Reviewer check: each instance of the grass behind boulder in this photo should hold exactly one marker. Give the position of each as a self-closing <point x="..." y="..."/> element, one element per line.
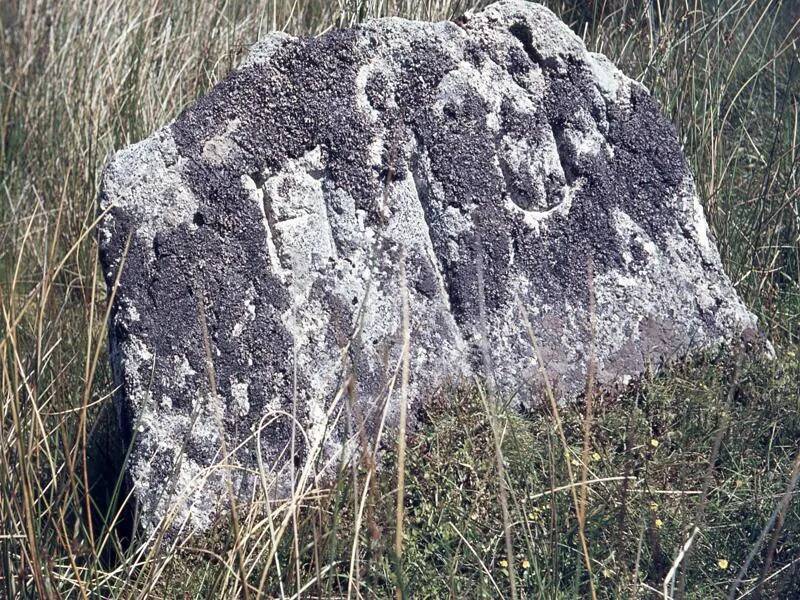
<point x="685" y="486"/>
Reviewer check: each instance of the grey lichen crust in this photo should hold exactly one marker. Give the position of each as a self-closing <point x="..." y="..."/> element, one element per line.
<point x="257" y="242"/>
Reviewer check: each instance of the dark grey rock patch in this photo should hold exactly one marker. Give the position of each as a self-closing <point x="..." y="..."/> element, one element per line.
<point x="265" y="226"/>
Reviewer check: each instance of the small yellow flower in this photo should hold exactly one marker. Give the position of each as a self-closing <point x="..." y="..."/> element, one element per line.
<point x="607" y="572"/>
<point x="504" y="563"/>
<point x="575" y="462"/>
<point x="595" y="457"/>
<point x="654" y="506"/>
<point x="659" y="523"/>
<point x="654" y="443"/>
<point x="722" y="563"/>
<point x="525" y="564"/>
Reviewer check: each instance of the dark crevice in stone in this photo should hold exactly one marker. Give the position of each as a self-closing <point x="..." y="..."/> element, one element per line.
<point x="258" y="179"/>
<point x="522" y="32"/>
<point x="422" y="188"/>
<point x="273" y="233"/>
<point x="511" y="189"/>
<point x="564" y="155"/>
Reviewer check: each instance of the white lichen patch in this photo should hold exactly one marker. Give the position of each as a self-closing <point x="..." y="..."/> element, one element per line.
<point x="219" y="148"/>
<point x="630" y="233"/>
<point x="145" y="181"/>
<point x="302" y="234"/>
<point x="249" y="312"/>
<point x="241" y="398"/>
<point x="262" y="51"/>
<point x="537" y="220"/>
<point x="181" y="370"/>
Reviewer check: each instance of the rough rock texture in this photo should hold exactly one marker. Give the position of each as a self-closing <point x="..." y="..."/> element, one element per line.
<point x="261" y="234"/>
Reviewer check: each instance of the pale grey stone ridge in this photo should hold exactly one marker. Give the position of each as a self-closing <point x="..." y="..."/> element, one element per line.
<point x="260" y="237"/>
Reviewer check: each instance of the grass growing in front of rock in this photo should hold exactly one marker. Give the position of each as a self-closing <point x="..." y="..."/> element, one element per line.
<point x="702" y="446"/>
<point x="650" y="483"/>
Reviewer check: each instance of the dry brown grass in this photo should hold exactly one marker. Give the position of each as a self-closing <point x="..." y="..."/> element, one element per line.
<point x="80" y="79"/>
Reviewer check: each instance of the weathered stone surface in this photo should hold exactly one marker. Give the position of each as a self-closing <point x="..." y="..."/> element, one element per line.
<point x="261" y="233"/>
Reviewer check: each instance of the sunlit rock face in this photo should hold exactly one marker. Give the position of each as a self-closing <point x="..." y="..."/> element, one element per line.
<point x="258" y="239"/>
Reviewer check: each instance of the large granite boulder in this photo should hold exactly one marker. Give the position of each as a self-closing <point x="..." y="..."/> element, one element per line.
<point x="257" y="242"/>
